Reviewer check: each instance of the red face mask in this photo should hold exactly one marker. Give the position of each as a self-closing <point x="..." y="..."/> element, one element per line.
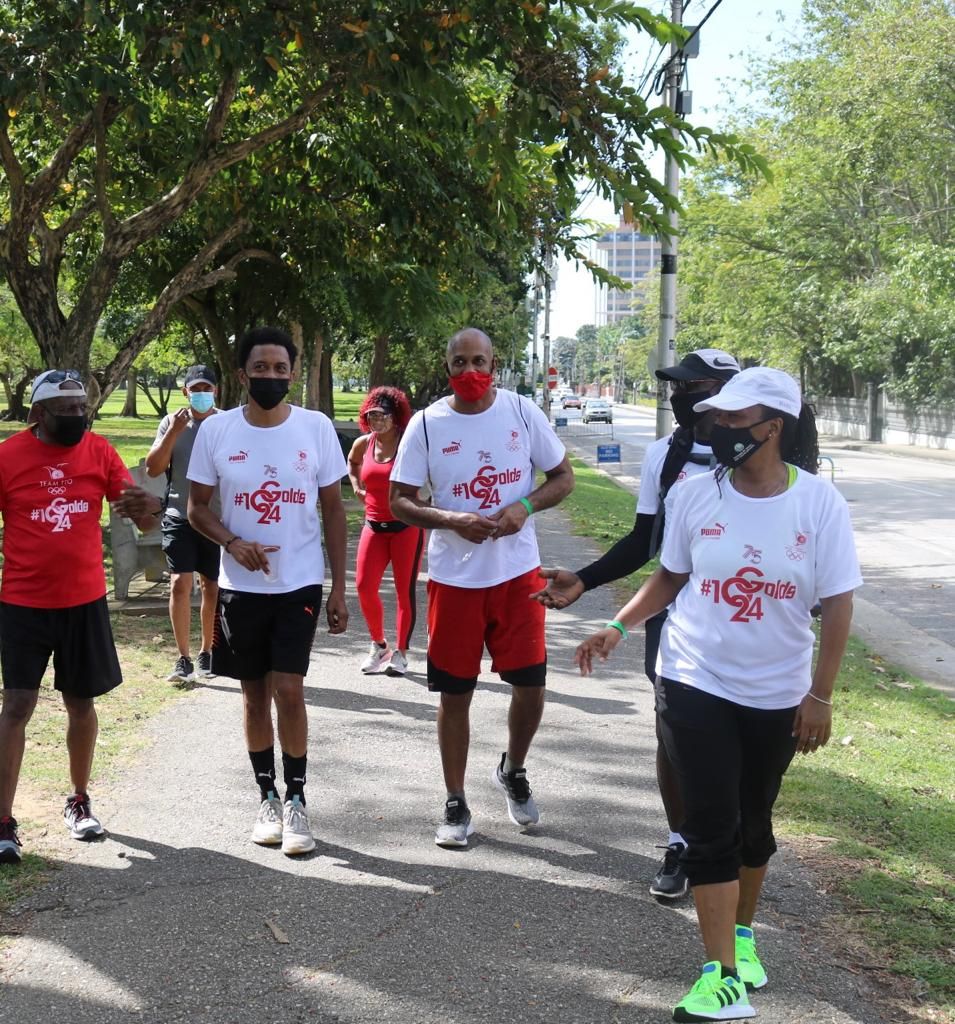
<point x="472" y="385"/>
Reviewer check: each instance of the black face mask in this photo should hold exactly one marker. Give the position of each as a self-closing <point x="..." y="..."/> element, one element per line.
<point x="65" y="430"/>
<point x="732" y="446"/>
<point x="268" y="391"/>
<point x="682" y="403"/>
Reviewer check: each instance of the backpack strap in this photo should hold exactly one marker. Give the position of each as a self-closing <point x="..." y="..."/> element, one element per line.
<point x="677" y="456"/>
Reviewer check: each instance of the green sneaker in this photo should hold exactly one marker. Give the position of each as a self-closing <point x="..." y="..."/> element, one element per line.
<point x="748" y="967"/>
<point x="714" y="998"/>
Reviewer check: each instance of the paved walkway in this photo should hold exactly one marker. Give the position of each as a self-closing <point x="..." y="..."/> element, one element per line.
<point x="176" y="916"/>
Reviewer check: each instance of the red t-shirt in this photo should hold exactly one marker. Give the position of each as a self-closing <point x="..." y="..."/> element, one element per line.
<point x="376" y="479"/>
<point x="51" y="498"/>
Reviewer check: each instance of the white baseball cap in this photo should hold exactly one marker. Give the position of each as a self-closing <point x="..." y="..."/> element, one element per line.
<point x="54" y="384"/>
<point x="757" y="385"/>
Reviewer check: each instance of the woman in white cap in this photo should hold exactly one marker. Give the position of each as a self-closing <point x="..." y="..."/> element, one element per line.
<point x="748" y="551"/>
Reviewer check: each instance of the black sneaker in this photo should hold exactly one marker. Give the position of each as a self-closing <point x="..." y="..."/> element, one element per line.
<point x="184" y="672"/>
<point x="670" y="882"/>
<point x="9" y="842"/>
<point x="456" y="827"/>
<point x="204" y="664"/>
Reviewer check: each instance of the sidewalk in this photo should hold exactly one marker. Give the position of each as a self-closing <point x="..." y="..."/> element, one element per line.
<point x="176" y="916"/>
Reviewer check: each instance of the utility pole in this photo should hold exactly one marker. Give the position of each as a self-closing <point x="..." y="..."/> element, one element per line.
<point x="548" y="284"/>
<point x="666" y="342"/>
<point x="536" y="318"/>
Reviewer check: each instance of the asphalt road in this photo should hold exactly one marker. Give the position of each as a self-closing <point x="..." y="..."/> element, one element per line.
<point x="176" y="916"/>
<point x="903" y="513"/>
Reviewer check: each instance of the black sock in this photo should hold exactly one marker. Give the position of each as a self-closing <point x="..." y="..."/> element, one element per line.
<point x="729" y="972"/>
<point x="294" y="769"/>
<point x="263" y="765"/>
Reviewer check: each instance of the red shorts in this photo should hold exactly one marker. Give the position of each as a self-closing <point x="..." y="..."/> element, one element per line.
<point x="462" y="620"/>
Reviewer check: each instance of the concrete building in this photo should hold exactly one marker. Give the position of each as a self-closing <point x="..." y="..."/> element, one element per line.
<point x="629" y="255"/>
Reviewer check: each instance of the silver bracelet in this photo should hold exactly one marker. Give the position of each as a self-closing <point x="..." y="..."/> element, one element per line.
<point x="828" y="703"/>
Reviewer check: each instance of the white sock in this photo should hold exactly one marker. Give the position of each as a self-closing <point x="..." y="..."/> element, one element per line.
<point x="456" y="796"/>
<point x="509" y="765"/>
<point x="675" y="837"/>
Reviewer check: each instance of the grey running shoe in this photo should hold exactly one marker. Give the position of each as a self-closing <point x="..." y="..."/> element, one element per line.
<point x="267" y="830"/>
<point x="297" y="835"/>
<point x="670" y="882"/>
<point x="79" y="818"/>
<point x="9" y="842"/>
<point x="457" y="826"/>
<point x="398" y="665"/>
<point x="184" y="671"/>
<point x="521" y="808"/>
<point x="204" y="664"/>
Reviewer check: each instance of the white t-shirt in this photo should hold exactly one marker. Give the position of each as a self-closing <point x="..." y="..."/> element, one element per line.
<point x="268" y="479"/>
<point x="648" y="500"/>
<point x="740" y="628"/>
<point x="478" y="463"/>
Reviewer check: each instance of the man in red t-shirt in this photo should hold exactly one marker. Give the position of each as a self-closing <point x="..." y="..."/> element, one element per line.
<point x="53" y="478"/>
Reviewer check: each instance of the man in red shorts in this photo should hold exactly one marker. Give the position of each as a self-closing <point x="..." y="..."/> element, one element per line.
<point x="53" y="478"/>
<point x="479" y="450"/>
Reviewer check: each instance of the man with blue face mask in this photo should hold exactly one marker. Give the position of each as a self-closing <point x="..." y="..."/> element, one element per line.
<point x="187" y="551"/>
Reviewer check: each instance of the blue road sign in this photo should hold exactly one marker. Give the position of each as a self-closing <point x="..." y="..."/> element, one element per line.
<point x="608" y="453"/>
<point x="560" y="421"/>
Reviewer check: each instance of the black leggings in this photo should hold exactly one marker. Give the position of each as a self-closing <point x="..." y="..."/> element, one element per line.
<point x="730" y="760"/>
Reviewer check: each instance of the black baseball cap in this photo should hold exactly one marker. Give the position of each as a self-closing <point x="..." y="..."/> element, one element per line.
<point x="703" y="364"/>
<point x="203" y="373"/>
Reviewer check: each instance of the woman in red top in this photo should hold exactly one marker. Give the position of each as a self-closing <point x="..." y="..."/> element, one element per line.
<point x="383" y="417"/>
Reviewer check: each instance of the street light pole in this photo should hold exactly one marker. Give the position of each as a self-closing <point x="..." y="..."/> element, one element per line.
<point x="666" y="342"/>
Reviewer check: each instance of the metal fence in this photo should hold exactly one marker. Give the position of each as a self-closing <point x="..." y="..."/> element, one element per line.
<point x="567" y="427"/>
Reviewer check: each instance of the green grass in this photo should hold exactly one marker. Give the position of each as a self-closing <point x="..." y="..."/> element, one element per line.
<point x="599" y="508"/>
<point x="874" y="814"/>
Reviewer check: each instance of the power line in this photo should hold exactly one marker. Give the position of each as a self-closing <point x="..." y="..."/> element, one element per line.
<point x="709" y="14"/>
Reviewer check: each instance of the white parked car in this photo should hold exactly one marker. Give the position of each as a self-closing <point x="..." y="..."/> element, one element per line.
<point x="597" y="410"/>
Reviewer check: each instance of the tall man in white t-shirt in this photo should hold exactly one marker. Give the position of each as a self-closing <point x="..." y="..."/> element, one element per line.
<point x="273" y="464"/>
<point x="479" y="450"/>
<point x="668" y="461"/>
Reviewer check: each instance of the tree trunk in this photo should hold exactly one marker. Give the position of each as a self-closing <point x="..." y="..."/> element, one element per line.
<point x="129" y="406"/>
<point x="379" y="359"/>
<point x="326" y="400"/>
<point x="314" y="372"/>
<point x="296" y="395"/>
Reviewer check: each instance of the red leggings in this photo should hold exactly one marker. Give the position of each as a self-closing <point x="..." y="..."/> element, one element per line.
<point x="375" y="551"/>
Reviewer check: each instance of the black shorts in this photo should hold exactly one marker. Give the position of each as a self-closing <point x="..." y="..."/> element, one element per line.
<point x="80" y="640"/>
<point x="187" y="550"/>
<point x="259" y="633"/>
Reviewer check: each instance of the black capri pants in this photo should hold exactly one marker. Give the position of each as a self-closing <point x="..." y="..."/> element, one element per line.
<point x="730" y="760"/>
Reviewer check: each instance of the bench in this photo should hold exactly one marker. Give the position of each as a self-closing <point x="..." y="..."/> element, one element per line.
<point x="135" y="552"/>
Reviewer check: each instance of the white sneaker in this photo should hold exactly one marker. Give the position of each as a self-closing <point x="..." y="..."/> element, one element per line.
<point x="398" y="665"/>
<point x="378" y="658"/>
<point x="296" y="832"/>
<point x="267" y="830"/>
<point x="79" y="818"/>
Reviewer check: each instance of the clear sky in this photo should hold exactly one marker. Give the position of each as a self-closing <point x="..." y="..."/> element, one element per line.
<point x="738" y="31"/>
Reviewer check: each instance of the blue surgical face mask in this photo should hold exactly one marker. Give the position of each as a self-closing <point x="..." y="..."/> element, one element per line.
<point x="202" y="401"/>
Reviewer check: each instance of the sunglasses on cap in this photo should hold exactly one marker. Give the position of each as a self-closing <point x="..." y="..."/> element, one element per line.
<point x="58" y="376"/>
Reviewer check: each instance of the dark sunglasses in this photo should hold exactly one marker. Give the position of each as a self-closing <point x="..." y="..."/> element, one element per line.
<point x="58" y="376"/>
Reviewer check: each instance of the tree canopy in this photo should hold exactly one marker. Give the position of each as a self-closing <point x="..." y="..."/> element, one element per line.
<point x="843" y="265"/>
<point x="389" y="150"/>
